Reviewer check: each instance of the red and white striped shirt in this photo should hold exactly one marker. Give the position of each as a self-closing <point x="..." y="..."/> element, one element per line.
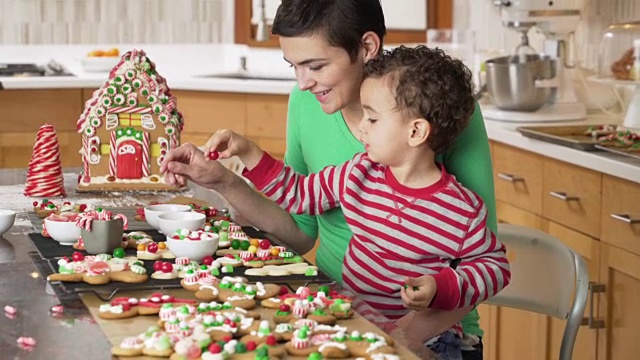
<point x="398" y="232"/>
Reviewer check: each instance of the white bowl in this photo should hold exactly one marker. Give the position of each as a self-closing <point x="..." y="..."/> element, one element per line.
<point x="195" y="250"/>
<point x="99" y="63"/>
<point x="151" y="212"/>
<point x="64" y="232"/>
<point x="172" y="221"/>
<point x="7" y="218"/>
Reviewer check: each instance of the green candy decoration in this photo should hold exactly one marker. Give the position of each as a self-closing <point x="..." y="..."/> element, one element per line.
<point x="324" y="289"/>
<point x="241" y="348"/>
<point x="235" y="244"/>
<point x="315" y="356"/>
<point x="244" y="245"/>
<point x="224" y="236"/>
<point x="118" y="253"/>
<point x="215" y="272"/>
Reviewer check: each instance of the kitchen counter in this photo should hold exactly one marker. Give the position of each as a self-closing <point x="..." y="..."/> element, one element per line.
<point x="182" y="65"/>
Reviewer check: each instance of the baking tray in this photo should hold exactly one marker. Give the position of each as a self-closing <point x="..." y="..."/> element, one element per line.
<point x="619" y="151"/>
<point x="570" y="136"/>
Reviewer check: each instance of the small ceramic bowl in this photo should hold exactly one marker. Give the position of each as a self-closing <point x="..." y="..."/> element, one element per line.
<point x="195" y="250"/>
<point x="64" y="232"/>
<point x="170" y="222"/>
<point x="151" y="212"/>
<point x="7" y="219"/>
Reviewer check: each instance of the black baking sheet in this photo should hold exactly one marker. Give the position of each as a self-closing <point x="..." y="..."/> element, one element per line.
<point x="51" y="251"/>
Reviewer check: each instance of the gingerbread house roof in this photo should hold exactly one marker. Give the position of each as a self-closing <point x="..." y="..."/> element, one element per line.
<point x="133" y="86"/>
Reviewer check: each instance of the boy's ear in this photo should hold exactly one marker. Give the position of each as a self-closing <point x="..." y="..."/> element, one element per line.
<point x="420" y="129"/>
<point x="371" y="45"/>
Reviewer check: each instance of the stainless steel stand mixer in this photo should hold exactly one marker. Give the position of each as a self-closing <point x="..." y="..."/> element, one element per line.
<point x="532" y="87"/>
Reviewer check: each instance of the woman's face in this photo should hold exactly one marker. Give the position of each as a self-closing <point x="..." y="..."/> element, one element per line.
<point x="326" y="71"/>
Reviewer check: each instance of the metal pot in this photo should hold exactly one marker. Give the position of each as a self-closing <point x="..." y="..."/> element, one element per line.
<point x="517" y="85"/>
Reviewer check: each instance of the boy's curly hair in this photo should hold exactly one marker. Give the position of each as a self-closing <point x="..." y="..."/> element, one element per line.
<point x="429" y="84"/>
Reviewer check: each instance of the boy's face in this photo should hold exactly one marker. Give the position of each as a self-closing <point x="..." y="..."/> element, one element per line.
<point x="383" y="129"/>
<point x="324" y="70"/>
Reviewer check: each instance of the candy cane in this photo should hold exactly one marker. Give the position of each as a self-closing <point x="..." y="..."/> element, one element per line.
<point x="86" y="168"/>
<point x="125" y="221"/>
<point x="145" y="154"/>
<point x="112" y="154"/>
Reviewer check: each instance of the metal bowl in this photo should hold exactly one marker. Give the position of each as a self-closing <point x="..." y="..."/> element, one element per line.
<point x="514" y="83"/>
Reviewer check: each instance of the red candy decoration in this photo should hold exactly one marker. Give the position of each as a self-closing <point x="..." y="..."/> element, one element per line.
<point x="264" y="244"/>
<point x="285" y="308"/>
<point x="167" y="267"/>
<point x="215" y="348"/>
<point x="35" y="203"/>
<point x="77" y="256"/>
<point x="251" y="345"/>
<point x="157" y="266"/>
<point x="208" y="260"/>
<point x="152" y="248"/>
<point x="271" y="340"/>
<point x="214" y="155"/>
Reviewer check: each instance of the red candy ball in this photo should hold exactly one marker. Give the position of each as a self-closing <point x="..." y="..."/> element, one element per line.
<point x="285" y="308"/>
<point x="152" y="248"/>
<point x="271" y="340"/>
<point x="167" y="267"/>
<point x="77" y="256"/>
<point x="251" y="345"/>
<point x="35" y="203"/>
<point x="208" y="260"/>
<point x="264" y="244"/>
<point x="214" y="155"/>
<point x="215" y="348"/>
<point x="157" y="266"/>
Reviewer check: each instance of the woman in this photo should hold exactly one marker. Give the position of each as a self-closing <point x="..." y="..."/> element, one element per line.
<point x="327" y="42"/>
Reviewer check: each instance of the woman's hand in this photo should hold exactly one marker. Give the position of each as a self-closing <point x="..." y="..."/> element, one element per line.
<point x="188" y="162"/>
<point x="418" y="293"/>
<point x="228" y="143"/>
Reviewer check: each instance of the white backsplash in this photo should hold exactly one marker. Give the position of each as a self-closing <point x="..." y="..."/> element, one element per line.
<point x="115" y="21"/>
<point x="483" y="17"/>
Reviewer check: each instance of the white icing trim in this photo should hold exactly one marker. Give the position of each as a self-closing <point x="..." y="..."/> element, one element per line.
<point x="112" y="121"/>
<point x="147" y="122"/>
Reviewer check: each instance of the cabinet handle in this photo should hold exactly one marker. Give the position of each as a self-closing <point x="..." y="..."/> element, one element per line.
<point x="563" y="196"/>
<point x="509" y="177"/>
<point x="625" y="218"/>
<point x="590" y="321"/>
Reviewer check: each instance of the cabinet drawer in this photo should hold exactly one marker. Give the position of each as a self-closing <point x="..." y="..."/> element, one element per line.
<point x="621" y="213"/>
<point x="518" y="177"/>
<point x="571" y="196"/>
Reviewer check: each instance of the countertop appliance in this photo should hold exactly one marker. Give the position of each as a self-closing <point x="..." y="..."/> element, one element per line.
<point x="557" y="21"/>
<point x="52" y="68"/>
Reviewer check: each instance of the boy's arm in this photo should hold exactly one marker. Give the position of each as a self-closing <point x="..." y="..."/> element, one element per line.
<point x="296" y="193"/>
<point x="469" y="159"/>
<point x="483" y="270"/>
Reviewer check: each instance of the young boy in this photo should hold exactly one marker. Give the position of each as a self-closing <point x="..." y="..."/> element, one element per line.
<point x="409" y="217"/>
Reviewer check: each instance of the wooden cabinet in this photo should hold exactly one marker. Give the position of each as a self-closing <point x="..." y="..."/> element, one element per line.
<point x="439" y="15"/>
<point x="24" y="111"/>
<point x="599" y="217"/>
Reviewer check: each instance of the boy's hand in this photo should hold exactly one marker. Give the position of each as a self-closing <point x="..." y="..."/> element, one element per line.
<point x="418" y="293"/>
<point x="226" y="143"/>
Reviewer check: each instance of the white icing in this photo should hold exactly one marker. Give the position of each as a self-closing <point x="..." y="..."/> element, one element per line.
<point x="341" y="346"/>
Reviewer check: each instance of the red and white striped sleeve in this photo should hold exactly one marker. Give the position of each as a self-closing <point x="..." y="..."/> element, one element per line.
<point x="483" y="270"/>
<point x="299" y="194"/>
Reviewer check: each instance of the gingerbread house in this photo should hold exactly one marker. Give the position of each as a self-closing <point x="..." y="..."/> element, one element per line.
<point x="127" y="128"/>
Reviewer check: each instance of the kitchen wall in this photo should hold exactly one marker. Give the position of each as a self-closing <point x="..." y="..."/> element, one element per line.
<point x="115" y="21"/>
<point x="482" y="17"/>
<point x="402" y="15"/>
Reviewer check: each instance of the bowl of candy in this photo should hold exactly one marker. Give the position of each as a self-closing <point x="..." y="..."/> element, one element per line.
<point x="62" y="228"/>
<point x="194" y="245"/>
<point x="170" y="222"/>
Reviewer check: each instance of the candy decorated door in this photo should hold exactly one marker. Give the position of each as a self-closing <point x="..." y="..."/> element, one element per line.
<point x="129" y="160"/>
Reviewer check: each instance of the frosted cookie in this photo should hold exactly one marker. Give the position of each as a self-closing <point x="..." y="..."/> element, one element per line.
<point x="164" y="271"/>
<point x="129" y="346"/>
<point x="300" y="344"/>
<point x="367" y="344"/>
<point x="132" y="239"/>
<point x="95" y="270"/>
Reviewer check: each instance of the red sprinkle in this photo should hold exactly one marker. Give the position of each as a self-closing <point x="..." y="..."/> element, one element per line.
<point x="10" y="310"/>
<point x="26" y="341"/>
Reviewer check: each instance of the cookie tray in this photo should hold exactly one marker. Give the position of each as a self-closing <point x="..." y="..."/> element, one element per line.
<point x="570" y="136"/>
<point x="618" y="151"/>
<point x="49" y="252"/>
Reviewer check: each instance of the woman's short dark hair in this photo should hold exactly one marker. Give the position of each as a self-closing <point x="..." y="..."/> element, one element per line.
<point x="427" y="83"/>
<point x="343" y="22"/>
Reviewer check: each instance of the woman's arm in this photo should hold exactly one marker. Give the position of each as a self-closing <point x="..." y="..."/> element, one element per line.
<point x="469" y="159"/>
